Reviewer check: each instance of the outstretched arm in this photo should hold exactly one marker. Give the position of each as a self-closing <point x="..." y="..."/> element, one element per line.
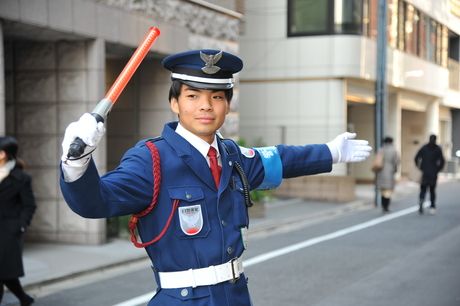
<point x="270" y="165"/>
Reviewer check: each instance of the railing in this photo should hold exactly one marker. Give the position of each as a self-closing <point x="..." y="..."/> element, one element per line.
<point x="454" y="74"/>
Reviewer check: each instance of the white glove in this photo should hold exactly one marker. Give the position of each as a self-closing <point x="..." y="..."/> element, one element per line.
<point x="88" y="130"/>
<point x="344" y="148"/>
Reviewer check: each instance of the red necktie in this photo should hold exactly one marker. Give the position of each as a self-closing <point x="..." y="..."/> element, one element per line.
<point x="213" y="164"/>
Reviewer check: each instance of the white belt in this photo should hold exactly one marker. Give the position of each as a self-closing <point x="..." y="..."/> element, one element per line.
<point x="202" y="277"/>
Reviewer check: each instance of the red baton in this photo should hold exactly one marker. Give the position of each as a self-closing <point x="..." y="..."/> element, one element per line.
<point x="104" y="106"/>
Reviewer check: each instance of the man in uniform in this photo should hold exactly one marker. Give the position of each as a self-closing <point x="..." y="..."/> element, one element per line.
<point x="200" y="218"/>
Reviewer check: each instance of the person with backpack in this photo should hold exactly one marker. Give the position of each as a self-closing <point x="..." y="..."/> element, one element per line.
<point x="189" y="188"/>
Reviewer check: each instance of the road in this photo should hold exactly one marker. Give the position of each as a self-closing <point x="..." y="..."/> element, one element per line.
<point x="357" y="258"/>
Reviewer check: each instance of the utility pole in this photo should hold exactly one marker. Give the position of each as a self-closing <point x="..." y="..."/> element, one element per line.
<point x="381" y="83"/>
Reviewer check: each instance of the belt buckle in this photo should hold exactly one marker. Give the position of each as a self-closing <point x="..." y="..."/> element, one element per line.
<point x="235" y="274"/>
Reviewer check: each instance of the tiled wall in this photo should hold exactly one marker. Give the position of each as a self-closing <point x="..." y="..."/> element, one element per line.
<point x="48" y="85"/>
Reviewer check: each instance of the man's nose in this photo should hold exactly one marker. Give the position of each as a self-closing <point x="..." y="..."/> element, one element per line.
<point x="206" y="103"/>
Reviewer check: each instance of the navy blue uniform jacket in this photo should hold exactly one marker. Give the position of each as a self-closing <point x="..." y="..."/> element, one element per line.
<point x="186" y="176"/>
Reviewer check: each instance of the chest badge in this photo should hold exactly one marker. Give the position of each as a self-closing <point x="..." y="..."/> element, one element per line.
<point x="191" y="219"/>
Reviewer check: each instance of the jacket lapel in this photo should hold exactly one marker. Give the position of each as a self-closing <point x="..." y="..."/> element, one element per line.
<point x="191" y="157"/>
<point x="199" y="166"/>
<point x="228" y="158"/>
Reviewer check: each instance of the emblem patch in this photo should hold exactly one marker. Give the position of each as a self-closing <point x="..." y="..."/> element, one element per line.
<point x="249" y="153"/>
<point x="210" y="60"/>
<point x="191" y="219"/>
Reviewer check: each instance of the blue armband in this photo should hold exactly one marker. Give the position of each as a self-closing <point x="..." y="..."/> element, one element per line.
<point x="273" y="168"/>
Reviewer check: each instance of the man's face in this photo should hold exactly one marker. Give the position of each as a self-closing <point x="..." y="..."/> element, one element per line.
<point x="201" y="111"/>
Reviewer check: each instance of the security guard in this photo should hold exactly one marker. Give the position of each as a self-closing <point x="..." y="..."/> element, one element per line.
<point x="200" y="216"/>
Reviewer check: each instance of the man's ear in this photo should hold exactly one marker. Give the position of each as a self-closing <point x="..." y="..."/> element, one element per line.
<point x="174" y="104"/>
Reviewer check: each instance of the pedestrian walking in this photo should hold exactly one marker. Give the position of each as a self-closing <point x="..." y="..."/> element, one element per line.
<point x="17" y="206"/>
<point x="189" y="188"/>
<point x="386" y="175"/>
<point x="430" y="160"/>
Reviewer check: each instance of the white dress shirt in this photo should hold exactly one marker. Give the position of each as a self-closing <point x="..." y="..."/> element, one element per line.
<point x="198" y="143"/>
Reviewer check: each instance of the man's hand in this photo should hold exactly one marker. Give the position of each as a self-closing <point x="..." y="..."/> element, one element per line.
<point x="88" y="130"/>
<point x="344" y="148"/>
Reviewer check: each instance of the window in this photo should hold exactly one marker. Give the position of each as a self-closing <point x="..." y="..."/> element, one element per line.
<point x="348" y="16"/>
<point x="401" y="27"/>
<point x="392" y="23"/>
<point x="411" y="30"/>
<point x="372" y="12"/>
<point x="423" y="36"/>
<point x="431" y="41"/>
<point x="309" y="17"/>
<point x="316" y="17"/>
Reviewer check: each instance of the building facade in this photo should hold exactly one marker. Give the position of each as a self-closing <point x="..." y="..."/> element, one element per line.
<point x="58" y="58"/>
<point x="312" y="68"/>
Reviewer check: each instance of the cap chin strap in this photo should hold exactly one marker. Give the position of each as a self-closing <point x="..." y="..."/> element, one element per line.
<point x="187" y="77"/>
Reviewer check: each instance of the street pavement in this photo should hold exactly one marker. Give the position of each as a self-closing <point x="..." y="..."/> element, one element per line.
<point x="48" y="264"/>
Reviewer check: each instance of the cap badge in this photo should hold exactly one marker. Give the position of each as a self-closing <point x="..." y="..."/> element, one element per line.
<point x="210" y="60"/>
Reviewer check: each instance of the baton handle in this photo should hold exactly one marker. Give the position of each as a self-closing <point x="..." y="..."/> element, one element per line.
<point x="77" y="147"/>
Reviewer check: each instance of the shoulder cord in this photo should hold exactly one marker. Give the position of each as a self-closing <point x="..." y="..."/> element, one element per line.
<point x="156" y="189"/>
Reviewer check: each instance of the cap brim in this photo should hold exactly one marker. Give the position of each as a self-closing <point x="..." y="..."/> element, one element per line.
<point x="207" y="85"/>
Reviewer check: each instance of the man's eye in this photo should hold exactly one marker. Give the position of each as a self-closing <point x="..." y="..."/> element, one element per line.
<point x="191" y="96"/>
<point x="218" y="97"/>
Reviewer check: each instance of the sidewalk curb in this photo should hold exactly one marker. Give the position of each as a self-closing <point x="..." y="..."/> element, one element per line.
<point x="36" y="286"/>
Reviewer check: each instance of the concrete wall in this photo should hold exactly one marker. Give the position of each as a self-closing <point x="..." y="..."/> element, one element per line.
<point x="48" y="85"/>
<point x="412" y="138"/>
<point x="361" y="119"/>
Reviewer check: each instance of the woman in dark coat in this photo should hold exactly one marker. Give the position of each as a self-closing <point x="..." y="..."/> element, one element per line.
<point x="430" y="161"/>
<point x="17" y="206"/>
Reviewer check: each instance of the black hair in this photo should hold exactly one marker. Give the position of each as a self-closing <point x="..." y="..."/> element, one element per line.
<point x="10" y="146"/>
<point x="174" y="91"/>
<point x="432" y="138"/>
<point x="388" y="139"/>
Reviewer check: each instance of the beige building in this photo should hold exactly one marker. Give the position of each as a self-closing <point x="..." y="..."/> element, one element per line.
<point x="310" y="74"/>
<point x="57" y="59"/>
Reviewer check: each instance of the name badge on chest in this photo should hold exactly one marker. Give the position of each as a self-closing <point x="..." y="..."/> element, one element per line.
<point x="191" y="219"/>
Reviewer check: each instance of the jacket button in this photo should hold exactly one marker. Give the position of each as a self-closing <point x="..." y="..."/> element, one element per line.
<point x="229" y="250"/>
<point x="188" y="196"/>
<point x="184" y="292"/>
<point x="223" y="223"/>
<point x="230" y="163"/>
